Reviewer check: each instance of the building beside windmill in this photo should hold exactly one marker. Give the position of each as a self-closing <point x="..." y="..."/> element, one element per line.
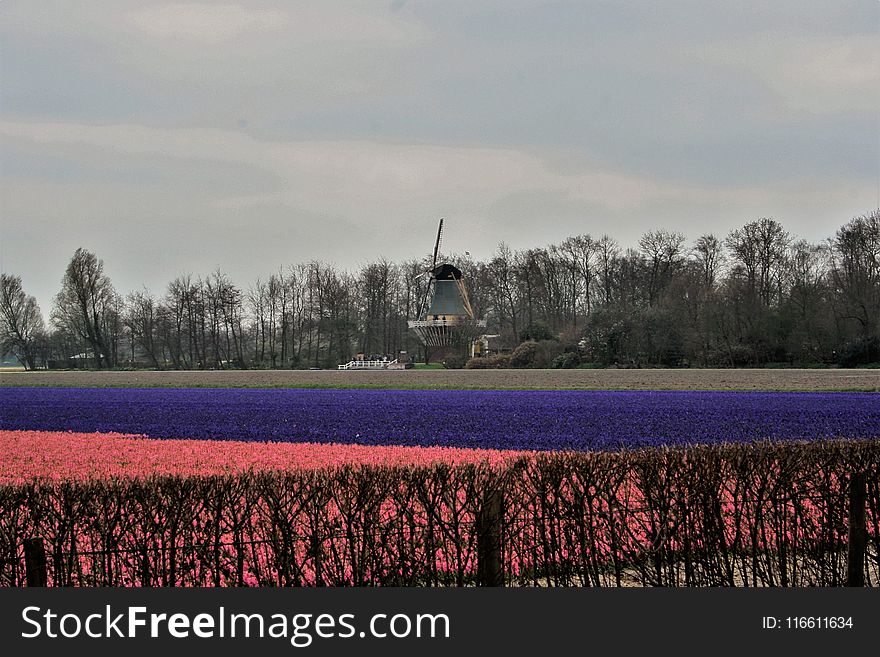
<point x="447" y="325"/>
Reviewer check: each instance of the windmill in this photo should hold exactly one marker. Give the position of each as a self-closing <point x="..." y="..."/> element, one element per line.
<point x="448" y="324"/>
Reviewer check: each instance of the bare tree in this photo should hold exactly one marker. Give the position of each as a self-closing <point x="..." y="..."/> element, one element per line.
<point x="87" y="306"/>
<point x="377" y="283"/>
<point x="502" y="278"/>
<point x="414" y="286"/>
<point x="141" y="319"/>
<point x="663" y="251"/>
<point x="608" y="251"/>
<point x="806" y="310"/>
<point x="855" y="254"/>
<point x="582" y="250"/>
<point x="297" y="286"/>
<point x="183" y="323"/>
<point x="225" y="317"/>
<point x="21" y="323"/>
<point x="709" y="255"/>
<point x="259" y="305"/>
<point x="760" y="248"/>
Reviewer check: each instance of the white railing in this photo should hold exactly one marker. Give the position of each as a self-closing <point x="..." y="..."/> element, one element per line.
<point x="367" y="364"/>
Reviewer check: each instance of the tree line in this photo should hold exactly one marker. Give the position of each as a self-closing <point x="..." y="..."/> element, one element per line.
<point x="754" y="297"/>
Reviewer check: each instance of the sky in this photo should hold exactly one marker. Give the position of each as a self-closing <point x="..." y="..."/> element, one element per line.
<point x="178" y="138"/>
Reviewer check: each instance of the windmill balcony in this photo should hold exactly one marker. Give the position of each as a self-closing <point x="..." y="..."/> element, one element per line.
<point x="445" y="320"/>
<point x="447" y="330"/>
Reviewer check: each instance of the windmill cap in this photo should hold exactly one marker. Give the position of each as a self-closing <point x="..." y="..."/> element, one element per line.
<point x="446" y="272"/>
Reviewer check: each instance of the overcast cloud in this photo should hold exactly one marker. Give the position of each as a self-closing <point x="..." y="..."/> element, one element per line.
<point x="173" y="138"/>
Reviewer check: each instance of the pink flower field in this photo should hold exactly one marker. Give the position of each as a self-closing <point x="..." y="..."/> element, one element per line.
<point x="767" y="514"/>
<point x="58" y="455"/>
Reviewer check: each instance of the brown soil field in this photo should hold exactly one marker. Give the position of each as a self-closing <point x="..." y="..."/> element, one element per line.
<point x="579" y="379"/>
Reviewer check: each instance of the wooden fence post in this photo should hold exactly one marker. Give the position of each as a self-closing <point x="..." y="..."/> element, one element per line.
<point x="855" y="558"/>
<point x="490" y="566"/>
<point x="146" y="572"/>
<point x="35" y="562"/>
<point x="317" y="556"/>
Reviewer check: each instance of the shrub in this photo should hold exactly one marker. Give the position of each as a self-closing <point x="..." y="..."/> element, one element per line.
<point x="454" y="362"/>
<point x="860" y="352"/>
<point x="535" y="354"/>
<point x="525" y="355"/>
<point x="283" y="523"/>
<point x="536" y="332"/>
<point x="608" y="337"/>
<point x="496" y="362"/>
<point x="567" y="361"/>
<point x="570" y="338"/>
<point x="741" y="355"/>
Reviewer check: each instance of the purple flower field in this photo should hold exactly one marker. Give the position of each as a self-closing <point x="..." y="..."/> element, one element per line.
<point x="521" y="420"/>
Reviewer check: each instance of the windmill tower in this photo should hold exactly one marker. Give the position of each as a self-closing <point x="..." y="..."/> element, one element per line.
<point x="448" y="324"/>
